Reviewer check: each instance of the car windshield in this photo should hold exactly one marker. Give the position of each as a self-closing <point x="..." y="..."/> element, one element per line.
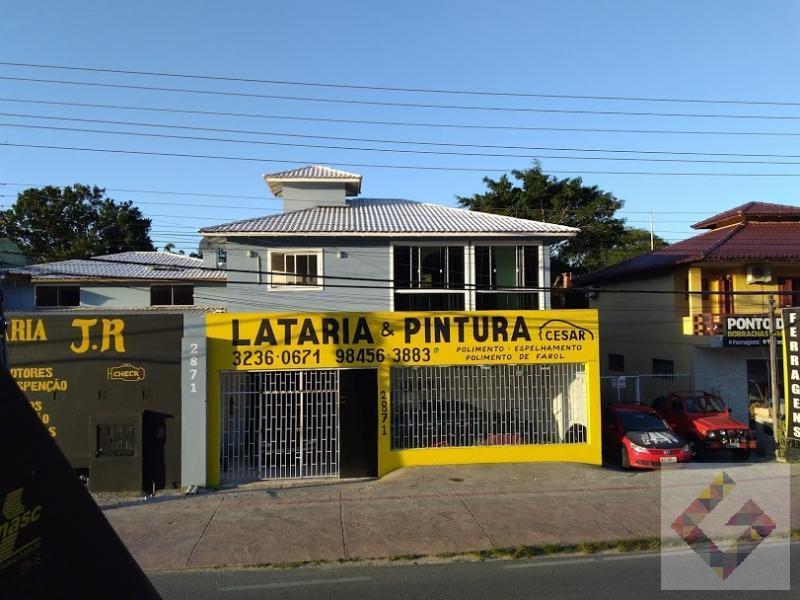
<point x="634" y="420"/>
<point x="704" y="404"/>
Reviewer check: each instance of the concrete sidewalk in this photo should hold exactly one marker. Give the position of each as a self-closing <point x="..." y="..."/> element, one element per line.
<point x="415" y="511"/>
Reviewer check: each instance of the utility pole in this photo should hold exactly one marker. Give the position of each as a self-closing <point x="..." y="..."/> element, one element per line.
<point x="773" y="369"/>
<point x="652" y="238"/>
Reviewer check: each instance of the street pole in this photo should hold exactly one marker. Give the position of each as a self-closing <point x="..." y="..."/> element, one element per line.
<point x="773" y="369"/>
<point x="652" y="237"/>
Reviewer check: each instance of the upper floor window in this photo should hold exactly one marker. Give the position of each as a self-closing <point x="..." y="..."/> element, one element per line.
<point x="171" y="295"/>
<point x="297" y="268"/>
<point x="790" y="291"/>
<point x="429" y="267"/>
<point x="57" y="295"/>
<point x="500" y="271"/>
<point x="429" y="278"/>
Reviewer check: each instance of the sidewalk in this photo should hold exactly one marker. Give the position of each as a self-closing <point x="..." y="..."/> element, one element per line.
<point x="415" y="511"/>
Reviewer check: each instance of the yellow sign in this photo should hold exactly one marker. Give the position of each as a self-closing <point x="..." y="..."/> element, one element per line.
<point x="253" y="341"/>
<point x="257" y="341"/>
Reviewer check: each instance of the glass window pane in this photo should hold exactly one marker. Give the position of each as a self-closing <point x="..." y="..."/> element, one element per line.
<point x="402" y="267"/>
<point x="69" y="295"/>
<point x="426" y="302"/>
<point x="505" y="266"/>
<point x="431" y="260"/>
<point x="160" y="295"/>
<point x="455" y="267"/>
<point x="507" y="301"/>
<point x="46" y="295"/>
<point x="530" y="277"/>
<point x="183" y="295"/>
<point x="483" y="267"/>
<point x="278" y="268"/>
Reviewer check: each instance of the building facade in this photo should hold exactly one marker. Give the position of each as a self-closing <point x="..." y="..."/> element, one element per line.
<point x="363" y="335"/>
<point x="328" y="250"/>
<point x="700" y="323"/>
<point x="156" y="281"/>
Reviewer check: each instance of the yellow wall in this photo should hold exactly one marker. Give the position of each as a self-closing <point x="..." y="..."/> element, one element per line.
<point x="253" y="341"/>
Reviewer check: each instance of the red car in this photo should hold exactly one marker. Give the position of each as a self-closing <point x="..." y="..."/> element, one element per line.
<point x="705" y="421"/>
<point x="641" y="438"/>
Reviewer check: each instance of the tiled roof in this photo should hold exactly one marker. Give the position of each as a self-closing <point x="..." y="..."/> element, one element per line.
<point x="313" y="173"/>
<point x="760" y="211"/>
<point x="387" y="217"/>
<point x="125" y="265"/>
<point x="745" y="242"/>
<point x="166" y="309"/>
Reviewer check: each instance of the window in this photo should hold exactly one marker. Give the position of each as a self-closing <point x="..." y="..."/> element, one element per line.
<point x="299" y="269"/>
<point x="425" y="275"/>
<point x="499" y="270"/>
<point x="57" y="295"/>
<point x="790" y="288"/>
<point x="171" y="295"/>
<point x="663" y="367"/>
<point x="616" y="362"/>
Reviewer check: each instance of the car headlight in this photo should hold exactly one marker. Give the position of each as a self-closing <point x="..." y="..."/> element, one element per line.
<point x="711" y="435"/>
<point x="637" y="448"/>
<point x="722" y="432"/>
<point x="686" y="448"/>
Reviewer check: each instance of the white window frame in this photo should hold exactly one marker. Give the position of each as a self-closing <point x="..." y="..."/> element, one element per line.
<point x="439" y="244"/>
<point x="470" y="290"/>
<point x="318" y="252"/>
<point x="543" y="269"/>
<point x="56" y="285"/>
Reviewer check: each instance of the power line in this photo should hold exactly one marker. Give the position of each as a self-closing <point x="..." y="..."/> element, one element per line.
<point x="464" y="287"/>
<point x="405" y="89"/>
<point x="350" y="101"/>
<point x="393" y="141"/>
<point x="398" y="150"/>
<point x="394" y="123"/>
<point x="408" y="151"/>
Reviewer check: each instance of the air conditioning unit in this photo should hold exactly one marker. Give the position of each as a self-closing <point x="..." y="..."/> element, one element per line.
<point x="759" y="274"/>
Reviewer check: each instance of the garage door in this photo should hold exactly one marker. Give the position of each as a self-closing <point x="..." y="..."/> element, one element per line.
<point x="497" y="405"/>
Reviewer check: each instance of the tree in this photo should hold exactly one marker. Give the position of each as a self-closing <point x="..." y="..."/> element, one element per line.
<point x="78" y="221"/>
<point x="634" y="241"/>
<point x="535" y="195"/>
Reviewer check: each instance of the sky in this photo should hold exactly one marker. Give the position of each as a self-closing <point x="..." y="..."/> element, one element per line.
<point x="714" y="50"/>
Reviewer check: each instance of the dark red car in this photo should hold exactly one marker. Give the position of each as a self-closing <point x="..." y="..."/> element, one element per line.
<point x="641" y="438"/>
<point x="707" y="424"/>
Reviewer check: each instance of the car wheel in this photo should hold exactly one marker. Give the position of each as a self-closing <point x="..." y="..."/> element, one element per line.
<point x="625" y="459"/>
<point x="696" y="447"/>
<point x="741" y="455"/>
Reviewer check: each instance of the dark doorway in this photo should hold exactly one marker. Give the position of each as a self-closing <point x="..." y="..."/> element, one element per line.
<point x="358" y="422"/>
<point x="154" y="438"/>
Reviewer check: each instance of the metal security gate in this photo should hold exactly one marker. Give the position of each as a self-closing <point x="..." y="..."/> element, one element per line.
<point x="642" y="389"/>
<point x="488" y="405"/>
<point x="279" y="424"/>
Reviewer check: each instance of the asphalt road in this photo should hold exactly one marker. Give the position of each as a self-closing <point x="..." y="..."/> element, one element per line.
<point x="634" y="576"/>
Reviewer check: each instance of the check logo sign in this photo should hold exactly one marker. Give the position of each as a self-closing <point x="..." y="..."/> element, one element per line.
<point x="687" y="526"/>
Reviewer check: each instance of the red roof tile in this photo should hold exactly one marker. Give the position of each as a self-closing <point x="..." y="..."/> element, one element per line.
<point x="752" y="211"/>
<point x="749" y="241"/>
